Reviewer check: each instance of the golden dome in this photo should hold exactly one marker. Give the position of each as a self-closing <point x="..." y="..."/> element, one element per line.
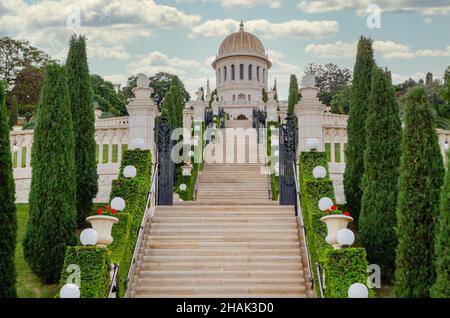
<point x="241" y="42"/>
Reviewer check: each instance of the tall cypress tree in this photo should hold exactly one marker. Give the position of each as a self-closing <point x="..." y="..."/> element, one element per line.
<point x="13" y="112"/>
<point x="52" y="214"/>
<point x="80" y="92"/>
<point x="381" y="169"/>
<point x="293" y="94"/>
<point x="8" y="223"/>
<point x="441" y="287"/>
<point x="420" y="181"/>
<point x="354" y="168"/>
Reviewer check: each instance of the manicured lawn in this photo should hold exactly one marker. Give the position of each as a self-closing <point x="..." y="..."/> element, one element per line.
<point x="28" y="285"/>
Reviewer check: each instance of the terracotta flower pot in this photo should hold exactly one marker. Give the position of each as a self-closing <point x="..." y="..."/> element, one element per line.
<point x="103" y="224"/>
<point x="335" y="223"/>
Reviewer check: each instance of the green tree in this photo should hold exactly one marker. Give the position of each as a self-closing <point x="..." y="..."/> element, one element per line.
<point x="340" y="103"/>
<point x="80" y="92"/>
<point x="52" y="200"/>
<point x="13" y="112"/>
<point x="264" y="96"/>
<point x="441" y="287"/>
<point x="420" y="181"/>
<point x="354" y="168"/>
<point x="381" y="163"/>
<point x="8" y="223"/>
<point x="105" y="95"/>
<point x="293" y="94"/>
<point x="28" y="86"/>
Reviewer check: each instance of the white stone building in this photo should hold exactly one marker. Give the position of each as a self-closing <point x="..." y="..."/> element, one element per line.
<point x="242" y="68"/>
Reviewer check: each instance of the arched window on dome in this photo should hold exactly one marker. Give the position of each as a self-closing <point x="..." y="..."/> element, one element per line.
<point x="241" y="71"/>
<point x="219" y="77"/>
<point x="241" y="97"/>
<point x="234" y="98"/>
<point x="250" y="72"/>
<point x="264" y="76"/>
<point x="257" y="73"/>
<point x="224" y="73"/>
<point x="233" y="72"/>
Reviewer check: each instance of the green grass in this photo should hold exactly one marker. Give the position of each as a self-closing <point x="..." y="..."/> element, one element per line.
<point x="28" y="285"/>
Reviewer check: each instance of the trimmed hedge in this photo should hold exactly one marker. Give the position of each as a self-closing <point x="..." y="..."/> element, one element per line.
<point x="95" y="265"/>
<point x="343" y="268"/>
<point x="273" y="178"/>
<point x="312" y="191"/>
<point x="134" y="192"/>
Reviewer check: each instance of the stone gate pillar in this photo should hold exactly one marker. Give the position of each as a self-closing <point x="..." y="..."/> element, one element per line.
<point x="199" y="107"/>
<point x="142" y="111"/>
<point x="271" y="107"/>
<point x="309" y="112"/>
<point x="187" y="123"/>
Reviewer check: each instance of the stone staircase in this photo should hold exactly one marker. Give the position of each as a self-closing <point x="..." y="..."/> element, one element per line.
<point x="232" y="242"/>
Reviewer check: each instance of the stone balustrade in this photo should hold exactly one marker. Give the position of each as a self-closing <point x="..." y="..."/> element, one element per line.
<point x="111" y="141"/>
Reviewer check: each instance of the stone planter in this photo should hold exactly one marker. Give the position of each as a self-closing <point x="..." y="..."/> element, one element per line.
<point x="335" y="223"/>
<point x="103" y="224"/>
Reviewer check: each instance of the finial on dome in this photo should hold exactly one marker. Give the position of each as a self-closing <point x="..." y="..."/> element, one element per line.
<point x="241" y="26"/>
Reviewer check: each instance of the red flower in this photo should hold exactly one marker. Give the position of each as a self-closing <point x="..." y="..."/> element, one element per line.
<point x="347" y="214"/>
<point x="113" y="211"/>
<point x="334" y="208"/>
<point x="328" y="210"/>
<point x="107" y="208"/>
<point x="99" y="211"/>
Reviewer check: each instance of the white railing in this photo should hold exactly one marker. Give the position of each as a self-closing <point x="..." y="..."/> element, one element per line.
<point x="112" y="122"/>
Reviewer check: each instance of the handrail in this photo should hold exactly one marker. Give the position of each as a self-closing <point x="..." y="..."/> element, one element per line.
<point x="299" y="214"/>
<point x="113" y="285"/>
<point x="207" y="141"/>
<point x="319" y="278"/>
<point x="267" y="163"/>
<point x="152" y="200"/>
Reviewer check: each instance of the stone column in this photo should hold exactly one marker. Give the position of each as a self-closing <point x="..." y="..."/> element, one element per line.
<point x="142" y="111"/>
<point x="199" y="107"/>
<point x="309" y="112"/>
<point x="187" y="123"/>
<point x="271" y="107"/>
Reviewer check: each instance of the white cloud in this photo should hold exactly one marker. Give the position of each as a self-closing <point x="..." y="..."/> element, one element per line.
<point x="429" y="7"/>
<point x="397" y="78"/>
<point x="117" y="79"/>
<point x="387" y="49"/>
<point x="107" y="23"/>
<point x="240" y="3"/>
<point x="266" y="29"/>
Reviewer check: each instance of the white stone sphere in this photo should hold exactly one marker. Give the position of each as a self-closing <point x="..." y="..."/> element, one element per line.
<point x="196" y="128"/>
<point x="191" y="153"/>
<point x="88" y="237"/>
<point x="138" y="143"/>
<point x="69" y="291"/>
<point x="312" y="143"/>
<point x="15" y="148"/>
<point x="358" y="290"/>
<point x="325" y="203"/>
<point x="319" y="172"/>
<point x="129" y="172"/>
<point x="118" y="204"/>
<point x="345" y="237"/>
<point x="276" y="153"/>
<point x="183" y="187"/>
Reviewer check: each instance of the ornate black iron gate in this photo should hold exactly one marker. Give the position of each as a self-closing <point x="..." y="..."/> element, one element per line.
<point x="287" y="150"/>
<point x="166" y="165"/>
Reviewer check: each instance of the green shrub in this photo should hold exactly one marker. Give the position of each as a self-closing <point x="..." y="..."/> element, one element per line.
<point x="8" y="221"/>
<point x="343" y="268"/>
<point x="312" y="191"/>
<point x="94" y="266"/>
<point x="273" y="177"/>
<point x="134" y="192"/>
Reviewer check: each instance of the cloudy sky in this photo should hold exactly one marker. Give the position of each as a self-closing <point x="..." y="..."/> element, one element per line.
<point x="126" y="37"/>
